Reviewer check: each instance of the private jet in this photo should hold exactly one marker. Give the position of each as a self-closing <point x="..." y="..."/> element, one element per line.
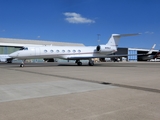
<point x="76" y="53"/>
<point x="148" y="56"/>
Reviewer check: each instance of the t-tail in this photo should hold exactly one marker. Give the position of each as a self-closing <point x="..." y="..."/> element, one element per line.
<point x="114" y="39"/>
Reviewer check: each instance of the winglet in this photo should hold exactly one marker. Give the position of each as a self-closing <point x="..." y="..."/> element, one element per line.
<point x="151" y="50"/>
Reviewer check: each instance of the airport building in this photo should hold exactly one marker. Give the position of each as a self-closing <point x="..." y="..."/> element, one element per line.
<point x="24" y="42"/>
<point x="132" y="53"/>
<point x="9" y="45"/>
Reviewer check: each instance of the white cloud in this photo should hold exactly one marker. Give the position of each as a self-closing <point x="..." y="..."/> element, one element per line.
<point x="148" y="32"/>
<point x="77" y="18"/>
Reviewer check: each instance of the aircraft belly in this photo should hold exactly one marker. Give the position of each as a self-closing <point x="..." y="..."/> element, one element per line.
<point x="83" y="56"/>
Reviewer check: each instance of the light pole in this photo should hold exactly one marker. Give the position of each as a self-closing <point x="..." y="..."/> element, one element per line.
<point x="98" y="38"/>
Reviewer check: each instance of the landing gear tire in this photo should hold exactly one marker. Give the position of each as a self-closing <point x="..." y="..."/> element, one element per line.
<point x="79" y="63"/>
<point x="9" y="61"/>
<point x="21" y="65"/>
<point x="90" y="63"/>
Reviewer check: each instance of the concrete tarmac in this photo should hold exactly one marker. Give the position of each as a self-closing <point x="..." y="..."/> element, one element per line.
<point x="64" y="91"/>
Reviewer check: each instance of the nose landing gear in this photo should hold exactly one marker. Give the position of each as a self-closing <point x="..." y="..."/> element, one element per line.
<point x="22" y="64"/>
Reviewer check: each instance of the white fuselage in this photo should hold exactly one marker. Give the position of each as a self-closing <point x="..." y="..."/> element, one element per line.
<point x="70" y="52"/>
<point x="63" y="52"/>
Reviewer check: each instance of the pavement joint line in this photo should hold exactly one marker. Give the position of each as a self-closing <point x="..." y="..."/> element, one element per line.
<point x="137" y="88"/>
<point x="93" y="81"/>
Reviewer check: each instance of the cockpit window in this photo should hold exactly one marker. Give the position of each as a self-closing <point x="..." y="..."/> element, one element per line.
<point x="25" y="48"/>
<point x="21" y="48"/>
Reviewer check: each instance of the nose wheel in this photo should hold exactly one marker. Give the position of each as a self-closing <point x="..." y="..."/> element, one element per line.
<point x="21" y="65"/>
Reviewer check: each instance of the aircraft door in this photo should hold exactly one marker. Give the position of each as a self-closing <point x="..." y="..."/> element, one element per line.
<point x="30" y="52"/>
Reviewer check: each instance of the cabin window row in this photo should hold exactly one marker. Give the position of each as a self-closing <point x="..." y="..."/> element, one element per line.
<point x="63" y="51"/>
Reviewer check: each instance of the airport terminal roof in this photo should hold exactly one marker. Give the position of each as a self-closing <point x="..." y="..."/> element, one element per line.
<point x="37" y="42"/>
<point x="142" y="49"/>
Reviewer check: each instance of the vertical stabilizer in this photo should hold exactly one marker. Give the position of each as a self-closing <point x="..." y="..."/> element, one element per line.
<point x="114" y="39"/>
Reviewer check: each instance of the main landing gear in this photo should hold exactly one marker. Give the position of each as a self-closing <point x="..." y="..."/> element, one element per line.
<point x="90" y="63"/>
<point x="79" y="63"/>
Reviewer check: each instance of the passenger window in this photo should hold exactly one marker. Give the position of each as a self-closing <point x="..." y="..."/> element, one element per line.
<point x="79" y="51"/>
<point x="57" y="51"/>
<point x="69" y="51"/>
<point x="51" y="51"/>
<point x="45" y="51"/>
<point x="74" y="51"/>
<point x="63" y="51"/>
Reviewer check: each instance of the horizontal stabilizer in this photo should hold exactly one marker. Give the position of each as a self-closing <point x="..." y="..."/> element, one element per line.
<point x="125" y="35"/>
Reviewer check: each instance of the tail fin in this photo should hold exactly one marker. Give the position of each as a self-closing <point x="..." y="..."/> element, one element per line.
<point x="151" y="50"/>
<point x="114" y="39"/>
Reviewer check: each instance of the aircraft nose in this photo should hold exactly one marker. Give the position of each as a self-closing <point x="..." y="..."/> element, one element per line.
<point x="13" y="55"/>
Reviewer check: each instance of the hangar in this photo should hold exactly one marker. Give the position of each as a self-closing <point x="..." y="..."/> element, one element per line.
<point x="9" y="45"/>
<point x="132" y="53"/>
<point x="23" y="42"/>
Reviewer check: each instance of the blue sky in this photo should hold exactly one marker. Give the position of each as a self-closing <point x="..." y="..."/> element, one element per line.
<point x="80" y="21"/>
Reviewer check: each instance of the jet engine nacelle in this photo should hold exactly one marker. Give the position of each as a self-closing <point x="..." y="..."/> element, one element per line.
<point x="103" y="48"/>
